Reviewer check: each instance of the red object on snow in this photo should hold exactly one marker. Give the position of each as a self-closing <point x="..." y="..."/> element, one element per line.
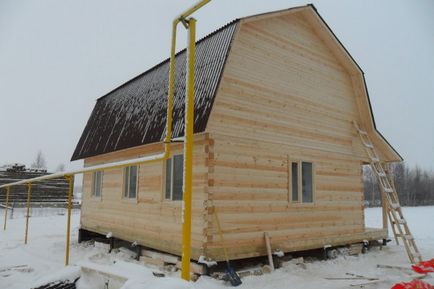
<point x="415" y="284"/>
<point x="424" y="267"/>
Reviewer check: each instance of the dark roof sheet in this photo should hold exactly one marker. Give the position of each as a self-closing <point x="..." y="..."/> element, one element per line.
<point x="135" y="113"/>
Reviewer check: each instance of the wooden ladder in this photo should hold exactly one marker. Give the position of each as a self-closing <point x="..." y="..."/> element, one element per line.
<point x="389" y="195"/>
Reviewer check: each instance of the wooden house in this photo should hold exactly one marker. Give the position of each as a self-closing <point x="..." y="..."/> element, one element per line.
<point x="275" y="147"/>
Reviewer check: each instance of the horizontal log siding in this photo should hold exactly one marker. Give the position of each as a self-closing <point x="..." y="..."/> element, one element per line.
<point x="150" y="220"/>
<point x="283" y="93"/>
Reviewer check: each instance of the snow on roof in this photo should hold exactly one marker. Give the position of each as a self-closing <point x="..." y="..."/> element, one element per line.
<point x="135" y="113"/>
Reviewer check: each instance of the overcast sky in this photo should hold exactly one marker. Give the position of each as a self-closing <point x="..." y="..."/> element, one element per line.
<point x="57" y="57"/>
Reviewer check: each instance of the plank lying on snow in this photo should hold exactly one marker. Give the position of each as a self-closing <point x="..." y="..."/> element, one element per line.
<point x="406" y="270"/>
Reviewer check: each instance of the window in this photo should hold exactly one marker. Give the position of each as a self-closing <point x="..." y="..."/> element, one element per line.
<point x="174" y="178"/>
<point x="97" y="184"/>
<point x="294" y="176"/>
<point x="307" y="182"/>
<point x="130" y="182"/>
<point x="302" y="184"/>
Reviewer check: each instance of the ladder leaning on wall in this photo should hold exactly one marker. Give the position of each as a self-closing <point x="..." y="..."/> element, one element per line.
<point x="389" y="195"/>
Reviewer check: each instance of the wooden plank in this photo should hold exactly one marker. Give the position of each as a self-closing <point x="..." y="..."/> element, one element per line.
<point x="268" y="246"/>
<point x="152" y="261"/>
<point x="167" y="258"/>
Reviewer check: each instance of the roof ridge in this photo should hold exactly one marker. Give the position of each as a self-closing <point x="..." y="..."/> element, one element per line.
<point x="202" y="39"/>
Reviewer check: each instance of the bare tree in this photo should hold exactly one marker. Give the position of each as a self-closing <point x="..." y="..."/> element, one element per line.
<point x="60" y="168"/>
<point x="415" y="186"/>
<point x="371" y="187"/>
<point x="39" y="162"/>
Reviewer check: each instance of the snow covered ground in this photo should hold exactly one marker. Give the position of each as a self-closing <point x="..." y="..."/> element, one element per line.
<point x="25" y="266"/>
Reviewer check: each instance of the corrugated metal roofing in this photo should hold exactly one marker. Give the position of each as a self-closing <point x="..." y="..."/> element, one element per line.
<point x="135" y="113"/>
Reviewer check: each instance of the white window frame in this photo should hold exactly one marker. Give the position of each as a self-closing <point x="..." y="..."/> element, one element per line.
<point x="300" y="182"/>
<point x="172" y="166"/>
<point x="127" y="195"/>
<point x="94" y="184"/>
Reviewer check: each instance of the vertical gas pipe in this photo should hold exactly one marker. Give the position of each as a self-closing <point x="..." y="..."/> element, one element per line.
<point x="29" y="194"/>
<point x="188" y="151"/>
<point x="68" y="221"/>
<point x="8" y="190"/>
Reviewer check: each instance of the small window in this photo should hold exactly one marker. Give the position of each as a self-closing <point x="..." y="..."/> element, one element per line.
<point x="97" y="184"/>
<point x="174" y="178"/>
<point x="294" y="181"/>
<point x="130" y="182"/>
<point x="307" y="182"/>
<point x="302" y="184"/>
<point x="168" y="184"/>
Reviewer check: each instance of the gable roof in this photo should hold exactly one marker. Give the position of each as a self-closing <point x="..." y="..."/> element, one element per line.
<point x="135" y="113"/>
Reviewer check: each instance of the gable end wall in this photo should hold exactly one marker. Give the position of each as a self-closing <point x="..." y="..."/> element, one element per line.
<point x="283" y="97"/>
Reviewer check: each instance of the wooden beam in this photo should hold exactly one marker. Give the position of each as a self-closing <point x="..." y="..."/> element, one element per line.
<point x="268" y="245"/>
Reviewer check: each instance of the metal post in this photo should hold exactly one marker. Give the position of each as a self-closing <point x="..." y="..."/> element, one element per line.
<point x="171" y="90"/>
<point x="188" y="151"/>
<point x="8" y="190"/>
<point x="68" y="222"/>
<point x="29" y="193"/>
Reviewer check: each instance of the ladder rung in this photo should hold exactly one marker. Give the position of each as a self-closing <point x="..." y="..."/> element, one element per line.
<point x="401" y="221"/>
<point x="417" y="255"/>
<point x="394" y="206"/>
<point x="408" y="237"/>
<point x="385" y="180"/>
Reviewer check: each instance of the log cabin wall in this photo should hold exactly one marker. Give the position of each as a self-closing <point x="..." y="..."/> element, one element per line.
<point x="288" y="93"/>
<point x="150" y="220"/>
<point x="283" y="97"/>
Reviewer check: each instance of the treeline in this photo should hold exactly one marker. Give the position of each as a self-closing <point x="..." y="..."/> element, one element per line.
<point x="415" y="186"/>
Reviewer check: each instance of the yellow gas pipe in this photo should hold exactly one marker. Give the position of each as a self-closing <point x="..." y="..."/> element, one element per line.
<point x="188" y="151"/>
<point x="190" y="24"/>
<point x="68" y="222"/>
<point x="29" y="193"/>
<point x="8" y="190"/>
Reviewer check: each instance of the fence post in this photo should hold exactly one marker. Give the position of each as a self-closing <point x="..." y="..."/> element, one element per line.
<point x="8" y="189"/>
<point x="29" y="193"/>
<point x="68" y="222"/>
<point x="12" y="210"/>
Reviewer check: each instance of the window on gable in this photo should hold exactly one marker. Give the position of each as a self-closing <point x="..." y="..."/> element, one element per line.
<point x="130" y="182"/>
<point x="97" y="184"/>
<point x="174" y="178"/>
<point x="302" y="182"/>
